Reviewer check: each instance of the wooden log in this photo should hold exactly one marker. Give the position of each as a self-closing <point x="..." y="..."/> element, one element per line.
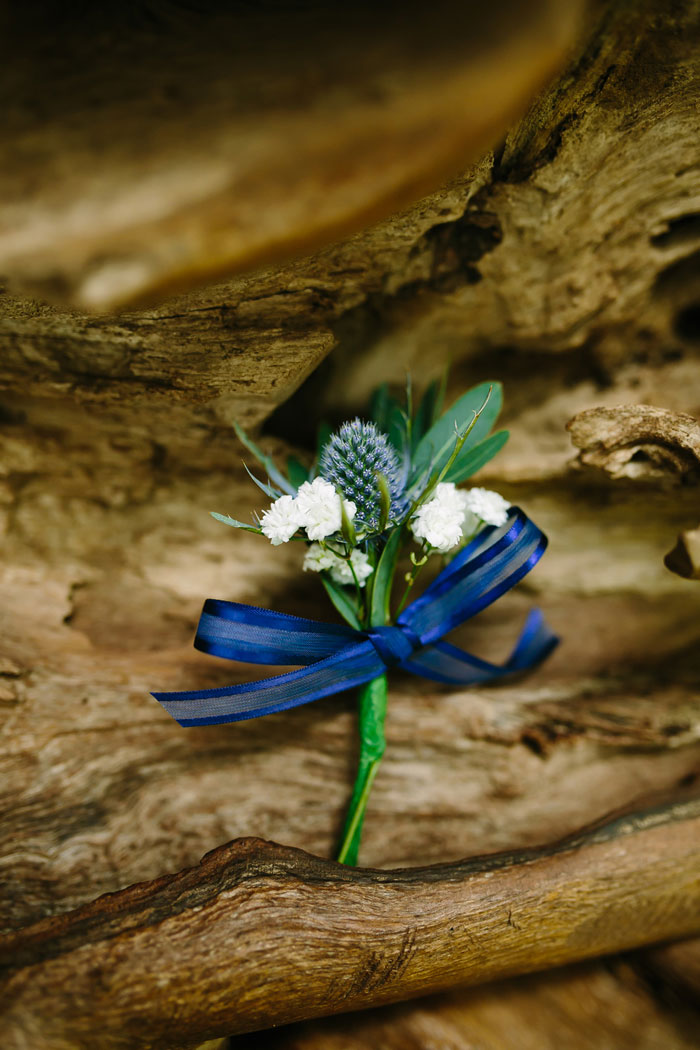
<point x="607" y="1005"/>
<point x="188" y="143"/>
<point x="259" y="934"/>
<point x="101" y="789"/>
<point x="565" y="261"/>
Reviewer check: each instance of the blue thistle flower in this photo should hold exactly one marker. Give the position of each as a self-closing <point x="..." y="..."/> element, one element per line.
<point x="351" y="460"/>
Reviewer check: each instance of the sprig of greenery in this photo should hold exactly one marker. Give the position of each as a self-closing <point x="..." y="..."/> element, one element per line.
<point x="433" y="444"/>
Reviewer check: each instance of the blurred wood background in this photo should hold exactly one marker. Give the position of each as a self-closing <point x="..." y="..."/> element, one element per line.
<point x="517" y="191"/>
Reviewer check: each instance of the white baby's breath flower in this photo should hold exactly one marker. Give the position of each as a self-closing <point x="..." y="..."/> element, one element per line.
<point x="439" y="521"/>
<point x="453" y="515"/>
<point x="470" y="524"/>
<point x="342" y="573"/>
<point x="317" y="559"/>
<point x="489" y="506"/>
<point x="319" y="508"/>
<point x="281" y="521"/>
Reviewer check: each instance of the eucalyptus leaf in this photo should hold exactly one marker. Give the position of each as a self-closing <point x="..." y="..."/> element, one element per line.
<point x="343" y="603"/>
<point x="297" y="472"/>
<point x="473" y="459"/>
<point x="232" y="521"/>
<point x="272" y="472"/>
<point x="438" y="444"/>
<point x="382" y="580"/>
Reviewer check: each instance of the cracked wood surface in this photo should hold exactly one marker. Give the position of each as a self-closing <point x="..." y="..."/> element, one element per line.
<point x="101" y="788"/>
<point x="564" y="264"/>
<point x="574" y="249"/>
<point x="299" y="937"/>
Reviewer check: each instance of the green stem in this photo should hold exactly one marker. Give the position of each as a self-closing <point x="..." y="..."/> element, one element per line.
<point x="411" y="578"/>
<point x="460" y="439"/>
<point x="372" y="699"/>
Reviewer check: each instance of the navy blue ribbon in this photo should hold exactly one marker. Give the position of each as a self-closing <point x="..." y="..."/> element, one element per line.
<point x="335" y="657"/>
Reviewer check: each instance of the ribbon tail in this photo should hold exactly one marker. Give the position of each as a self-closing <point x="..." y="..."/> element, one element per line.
<point x="443" y="662"/>
<point x="350" y="666"/>
<point x="260" y="636"/>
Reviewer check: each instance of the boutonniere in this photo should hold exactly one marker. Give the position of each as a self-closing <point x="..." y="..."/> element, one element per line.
<point x="379" y="489"/>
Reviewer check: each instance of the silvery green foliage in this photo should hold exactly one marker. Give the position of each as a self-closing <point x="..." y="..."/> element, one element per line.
<point x="352" y="459"/>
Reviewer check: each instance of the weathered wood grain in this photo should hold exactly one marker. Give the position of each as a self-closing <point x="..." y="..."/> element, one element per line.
<point x="160" y="144"/>
<point x="567" y="261"/>
<point x="564" y="264"/>
<point x="259" y="934"/>
<point x="606" y="1006"/>
<point x="108" y="554"/>
<point x="639" y="442"/>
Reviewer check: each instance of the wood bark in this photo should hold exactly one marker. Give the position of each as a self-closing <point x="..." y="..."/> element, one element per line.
<point x="564" y="263"/>
<point x="298" y="937"/>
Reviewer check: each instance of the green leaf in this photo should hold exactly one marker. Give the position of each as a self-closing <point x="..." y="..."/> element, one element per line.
<point x="436" y="447"/>
<point x="390" y="417"/>
<point x="344" y="604"/>
<point x="272" y="493"/>
<point x="379" y="405"/>
<point x="383" y="579"/>
<point x="430" y="407"/>
<point x="346" y="526"/>
<point x="473" y="459"/>
<point x="272" y="472"/>
<point x="232" y="521"/>
<point x="397" y="429"/>
<point x="385" y="500"/>
<point x="297" y="472"/>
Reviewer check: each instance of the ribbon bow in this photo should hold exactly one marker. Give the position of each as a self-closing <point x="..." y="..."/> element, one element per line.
<point x="337" y="657"/>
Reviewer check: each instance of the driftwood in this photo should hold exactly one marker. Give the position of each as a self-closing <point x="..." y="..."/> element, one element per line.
<point x="564" y="263"/>
<point x="244" y="132"/>
<point x="259" y="935"/>
<point x="643" y="443"/>
<point x="102" y="789"/>
<point x="611" y="1005"/>
<point x="678" y="965"/>
<point x="638" y="442"/>
<point x="579" y="289"/>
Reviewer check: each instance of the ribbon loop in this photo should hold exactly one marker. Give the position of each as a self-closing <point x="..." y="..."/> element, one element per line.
<point x="339" y="657"/>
